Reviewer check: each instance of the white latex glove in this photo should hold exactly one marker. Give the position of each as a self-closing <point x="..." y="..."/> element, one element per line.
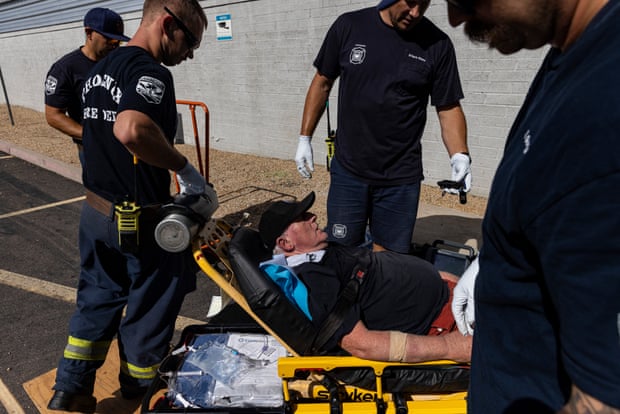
<point x="190" y="180"/>
<point x="303" y="157"/>
<point x="463" y="300"/>
<point x="461" y="169"/>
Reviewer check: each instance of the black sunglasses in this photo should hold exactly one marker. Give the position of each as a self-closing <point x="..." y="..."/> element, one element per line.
<point x="466" y="6"/>
<point x="190" y="39"/>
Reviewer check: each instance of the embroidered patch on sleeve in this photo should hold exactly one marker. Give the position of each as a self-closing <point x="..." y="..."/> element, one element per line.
<point x="50" y="85"/>
<point x="151" y="89"/>
<point x="339" y="231"/>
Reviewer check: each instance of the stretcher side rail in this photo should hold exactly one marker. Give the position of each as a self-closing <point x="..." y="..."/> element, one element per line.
<point x="323" y="393"/>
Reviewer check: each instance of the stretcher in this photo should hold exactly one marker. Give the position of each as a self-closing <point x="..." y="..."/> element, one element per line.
<point x="256" y="310"/>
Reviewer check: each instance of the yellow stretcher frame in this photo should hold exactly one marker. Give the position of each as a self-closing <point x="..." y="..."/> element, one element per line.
<point x="213" y="243"/>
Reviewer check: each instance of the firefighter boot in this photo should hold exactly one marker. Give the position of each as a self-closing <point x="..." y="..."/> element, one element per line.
<point x="68" y="401"/>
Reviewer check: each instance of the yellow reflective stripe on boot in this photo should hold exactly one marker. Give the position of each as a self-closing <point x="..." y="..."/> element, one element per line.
<point x="84" y="350"/>
<point x="137" y="372"/>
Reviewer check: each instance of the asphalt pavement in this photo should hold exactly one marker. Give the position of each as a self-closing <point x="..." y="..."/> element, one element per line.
<point x="39" y="269"/>
<point x="40" y="205"/>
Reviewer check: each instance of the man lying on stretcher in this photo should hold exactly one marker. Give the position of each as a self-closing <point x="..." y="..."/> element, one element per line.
<point x="402" y="312"/>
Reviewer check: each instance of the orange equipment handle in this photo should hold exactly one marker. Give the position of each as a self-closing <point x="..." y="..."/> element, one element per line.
<point x="204" y="170"/>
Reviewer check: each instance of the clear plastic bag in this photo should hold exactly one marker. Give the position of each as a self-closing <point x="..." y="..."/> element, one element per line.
<point x="228" y="370"/>
<point x="223" y="363"/>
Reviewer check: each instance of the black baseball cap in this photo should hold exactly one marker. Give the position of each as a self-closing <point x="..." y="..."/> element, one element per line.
<point x="279" y="216"/>
<point x="106" y="22"/>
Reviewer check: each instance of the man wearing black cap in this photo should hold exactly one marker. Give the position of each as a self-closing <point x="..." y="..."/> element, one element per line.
<point x="64" y="81"/>
<point x="390" y="60"/>
<point x="402" y="312"/>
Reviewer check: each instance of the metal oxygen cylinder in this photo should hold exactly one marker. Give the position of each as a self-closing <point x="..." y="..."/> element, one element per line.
<point x="183" y="219"/>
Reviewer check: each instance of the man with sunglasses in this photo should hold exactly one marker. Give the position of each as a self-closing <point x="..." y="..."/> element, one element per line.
<point x="129" y="286"/>
<point x="547" y="295"/>
<point x="391" y="60"/>
<point x="63" y="83"/>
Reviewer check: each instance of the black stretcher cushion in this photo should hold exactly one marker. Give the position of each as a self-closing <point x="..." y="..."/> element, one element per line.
<point x="265" y="298"/>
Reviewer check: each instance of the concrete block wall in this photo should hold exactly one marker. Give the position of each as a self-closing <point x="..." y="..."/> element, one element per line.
<point x="254" y="85"/>
<point x="494" y="86"/>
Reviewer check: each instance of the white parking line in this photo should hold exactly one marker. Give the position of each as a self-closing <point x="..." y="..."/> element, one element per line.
<point x="38" y="286"/>
<point x="44" y="207"/>
<point x="8" y="401"/>
<point x="64" y="293"/>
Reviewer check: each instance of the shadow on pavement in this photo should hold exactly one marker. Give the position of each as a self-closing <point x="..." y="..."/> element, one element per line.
<point x="449" y="227"/>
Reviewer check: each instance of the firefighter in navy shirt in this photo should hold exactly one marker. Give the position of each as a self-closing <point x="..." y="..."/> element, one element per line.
<point x="390" y="61"/>
<point x="547" y="295"/>
<point x="129" y="286"/>
<point x="64" y="81"/>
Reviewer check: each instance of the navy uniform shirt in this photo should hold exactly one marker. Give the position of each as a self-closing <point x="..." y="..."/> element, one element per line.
<point x="128" y="79"/>
<point x="386" y="79"/>
<point x="548" y="291"/>
<point x="64" y="81"/>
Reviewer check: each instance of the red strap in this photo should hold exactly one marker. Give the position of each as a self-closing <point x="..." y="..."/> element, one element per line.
<point x="444" y="323"/>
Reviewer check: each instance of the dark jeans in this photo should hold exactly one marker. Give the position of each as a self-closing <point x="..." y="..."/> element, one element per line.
<point x="389" y="211"/>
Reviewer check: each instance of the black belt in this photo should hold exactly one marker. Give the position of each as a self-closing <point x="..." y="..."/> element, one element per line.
<point x="106" y="207"/>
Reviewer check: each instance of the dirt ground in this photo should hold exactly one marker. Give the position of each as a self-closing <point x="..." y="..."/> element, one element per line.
<point x="244" y="183"/>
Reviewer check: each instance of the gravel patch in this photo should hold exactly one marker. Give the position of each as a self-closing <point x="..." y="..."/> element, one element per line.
<point x="245" y="183"/>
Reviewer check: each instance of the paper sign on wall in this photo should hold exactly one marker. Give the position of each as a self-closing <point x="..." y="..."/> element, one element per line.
<point x="223" y="27"/>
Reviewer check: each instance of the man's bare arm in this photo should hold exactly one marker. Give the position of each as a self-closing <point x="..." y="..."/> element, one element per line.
<point x="144" y="138"/>
<point x="314" y="106"/>
<point x="57" y="118"/>
<point x="582" y="403"/>
<point x="375" y="345"/>
<point x="453" y="128"/>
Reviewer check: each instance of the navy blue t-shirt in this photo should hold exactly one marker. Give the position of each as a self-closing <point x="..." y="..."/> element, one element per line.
<point x="64" y="81"/>
<point x="386" y="79"/>
<point x="128" y="79"/>
<point x="548" y="291"/>
<point x="399" y="292"/>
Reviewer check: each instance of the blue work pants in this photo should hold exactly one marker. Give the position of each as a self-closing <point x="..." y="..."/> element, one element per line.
<point x="134" y="296"/>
